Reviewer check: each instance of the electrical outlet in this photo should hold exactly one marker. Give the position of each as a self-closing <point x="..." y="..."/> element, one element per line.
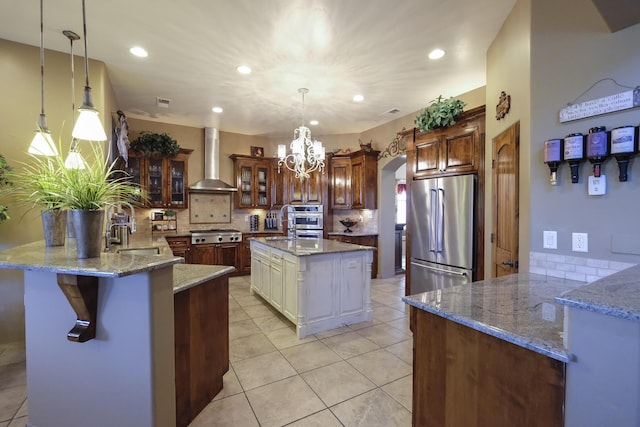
<point x="550" y="239"/>
<point x="580" y="242"/>
<point x="246" y="218"/>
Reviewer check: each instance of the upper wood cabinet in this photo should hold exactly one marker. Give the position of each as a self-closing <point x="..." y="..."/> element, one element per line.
<point x="165" y="179"/>
<point x="354" y="180"/>
<point x="253" y="179"/>
<point x="305" y="191"/>
<point x="450" y="151"/>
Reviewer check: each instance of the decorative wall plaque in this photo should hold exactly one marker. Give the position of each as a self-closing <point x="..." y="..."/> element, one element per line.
<point x="504" y="104"/>
<point x="596" y="107"/>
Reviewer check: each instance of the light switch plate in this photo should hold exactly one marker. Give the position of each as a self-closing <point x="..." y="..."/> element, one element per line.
<point x="597" y="186"/>
<point x="550" y="239"/>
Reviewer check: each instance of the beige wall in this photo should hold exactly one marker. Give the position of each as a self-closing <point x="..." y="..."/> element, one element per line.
<point x="20" y="88"/>
<point x="508" y="64"/>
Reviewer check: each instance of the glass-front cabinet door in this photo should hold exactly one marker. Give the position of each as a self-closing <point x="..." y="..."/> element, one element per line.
<point x="245" y="190"/>
<point x="178" y="183"/>
<point x="155" y="183"/>
<point x="253" y="181"/>
<point x="263" y="192"/>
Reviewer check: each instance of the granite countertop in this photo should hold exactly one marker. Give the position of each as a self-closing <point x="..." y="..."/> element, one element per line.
<point x="306" y="246"/>
<point x="616" y="295"/>
<point x="519" y="308"/>
<point x="353" y="234"/>
<point x="62" y="259"/>
<point x="186" y="276"/>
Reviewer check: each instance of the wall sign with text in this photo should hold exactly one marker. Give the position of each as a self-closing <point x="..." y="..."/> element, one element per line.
<point x="596" y="107"/>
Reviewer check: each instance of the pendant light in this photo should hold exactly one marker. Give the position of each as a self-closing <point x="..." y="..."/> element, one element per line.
<point x="88" y="125"/>
<point x="42" y="144"/>
<point x="74" y="159"/>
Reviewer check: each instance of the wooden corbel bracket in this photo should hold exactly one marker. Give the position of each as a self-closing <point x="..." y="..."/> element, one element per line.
<point x="82" y="294"/>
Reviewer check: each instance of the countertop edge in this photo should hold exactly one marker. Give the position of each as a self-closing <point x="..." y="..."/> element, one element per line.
<point x="346" y="247"/>
<point x="354" y="234"/>
<point x="543" y="348"/>
<point x="220" y="270"/>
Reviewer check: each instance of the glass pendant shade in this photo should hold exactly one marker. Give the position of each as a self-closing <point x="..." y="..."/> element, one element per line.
<point x="42" y="143"/>
<point x="88" y="126"/>
<point x="74" y="161"/>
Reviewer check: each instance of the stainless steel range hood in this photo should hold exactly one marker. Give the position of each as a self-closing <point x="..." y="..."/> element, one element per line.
<point x="211" y="182"/>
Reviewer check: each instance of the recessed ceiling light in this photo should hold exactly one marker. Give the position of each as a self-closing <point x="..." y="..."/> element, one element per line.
<point x="244" y="69"/>
<point x="436" y="54"/>
<point x="217" y="109"/>
<point x="358" y="98"/>
<point x="139" y="52"/>
<point x="313" y="122"/>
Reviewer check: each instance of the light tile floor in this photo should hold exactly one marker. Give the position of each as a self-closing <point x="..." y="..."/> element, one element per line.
<point x="357" y="375"/>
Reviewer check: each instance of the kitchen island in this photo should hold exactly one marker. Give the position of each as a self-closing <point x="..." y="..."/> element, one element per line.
<point x="528" y="350"/>
<point x="490" y="353"/>
<point x="317" y="284"/>
<point x="117" y="364"/>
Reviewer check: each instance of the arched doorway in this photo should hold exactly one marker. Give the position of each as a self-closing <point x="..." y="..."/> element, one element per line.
<point x="387" y="217"/>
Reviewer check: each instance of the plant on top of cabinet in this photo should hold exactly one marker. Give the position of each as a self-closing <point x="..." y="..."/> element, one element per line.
<point x="4" y="181"/>
<point x="155" y="144"/>
<point x="440" y="114"/>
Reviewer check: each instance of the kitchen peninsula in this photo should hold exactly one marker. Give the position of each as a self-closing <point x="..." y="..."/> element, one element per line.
<point x="119" y="364"/>
<point x="317" y="284"/>
<point x="530" y="350"/>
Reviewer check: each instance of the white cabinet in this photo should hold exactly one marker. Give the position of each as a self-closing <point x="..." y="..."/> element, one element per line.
<point x="316" y="292"/>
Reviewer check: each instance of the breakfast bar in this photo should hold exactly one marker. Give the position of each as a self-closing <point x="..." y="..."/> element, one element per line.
<point x="317" y="284"/>
<point x="100" y="341"/>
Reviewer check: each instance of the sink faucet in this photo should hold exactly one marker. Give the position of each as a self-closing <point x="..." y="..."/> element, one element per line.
<point x="291" y="230"/>
<point x="131" y="223"/>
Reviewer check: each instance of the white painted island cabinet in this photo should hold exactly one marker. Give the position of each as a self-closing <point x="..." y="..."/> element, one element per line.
<point x="316" y="284"/>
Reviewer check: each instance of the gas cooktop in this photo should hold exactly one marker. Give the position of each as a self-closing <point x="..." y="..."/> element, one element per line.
<point x="215" y="235"/>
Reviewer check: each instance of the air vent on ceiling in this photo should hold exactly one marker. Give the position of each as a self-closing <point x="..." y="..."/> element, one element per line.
<point x="392" y="111"/>
<point x="162" y="102"/>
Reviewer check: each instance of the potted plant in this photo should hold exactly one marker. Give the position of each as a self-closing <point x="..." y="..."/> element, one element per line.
<point x="155" y="144"/>
<point x="440" y="114"/>
<point x="5" y="170"/>
<point x="40" y="183"/>
<point x="87" y="192"/>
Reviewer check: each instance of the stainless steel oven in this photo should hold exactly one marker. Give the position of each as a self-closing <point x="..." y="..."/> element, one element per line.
<point x="305" y="217"/>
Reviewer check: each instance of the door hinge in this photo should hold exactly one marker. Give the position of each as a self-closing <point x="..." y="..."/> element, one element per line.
<point x="493" y="164"/>
<point x="492" y="237"/>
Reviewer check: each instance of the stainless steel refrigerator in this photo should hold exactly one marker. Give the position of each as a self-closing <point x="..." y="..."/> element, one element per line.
<point x="442" y="227"/>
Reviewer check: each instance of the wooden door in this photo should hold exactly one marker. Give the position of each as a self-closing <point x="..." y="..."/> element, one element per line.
<point x="315" y="187"/>
<point x="358" y="183"/>
<point x="505" y="165"/>
<point x="203" y="254"/>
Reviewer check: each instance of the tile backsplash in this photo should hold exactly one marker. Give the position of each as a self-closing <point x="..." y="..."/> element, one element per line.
<point x="573" y="268"/>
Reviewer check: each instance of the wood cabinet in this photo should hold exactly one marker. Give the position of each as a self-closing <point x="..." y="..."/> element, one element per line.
<point x="354" y="180"/>
<point x="217" y="254"/>
<point x="253" y="179"/>
<point x="306" y="191"/>
<point x="201" y="328"/>
<point x="180" y="246"/>
<point x="278" y="185"/>
<point x="364" y="241"/>
<point x="165" y="179"/>
<point x="450" y="151"/>
<point x="464" y="377"/>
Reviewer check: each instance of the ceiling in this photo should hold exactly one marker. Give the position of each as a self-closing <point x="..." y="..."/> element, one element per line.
<point x="336" y="48"/>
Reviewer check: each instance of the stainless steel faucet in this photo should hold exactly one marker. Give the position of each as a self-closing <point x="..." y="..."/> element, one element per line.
<point x="291" y="230"/>
<point x="130" y="224"/>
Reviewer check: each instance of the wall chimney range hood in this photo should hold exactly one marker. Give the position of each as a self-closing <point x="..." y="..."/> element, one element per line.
<point x="211" y="182"/>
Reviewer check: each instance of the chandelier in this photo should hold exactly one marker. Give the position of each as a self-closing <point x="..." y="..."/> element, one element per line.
<point x="306" y="155"/>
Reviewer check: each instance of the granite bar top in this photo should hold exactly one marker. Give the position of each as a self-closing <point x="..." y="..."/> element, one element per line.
<point x="353" y="234"/>
<point x="186" y="276"/>
<point x="305" y="246"/>
<point x="616" y="295"/>
<point x="36" y="256"/>
<point x="519" y="308"/>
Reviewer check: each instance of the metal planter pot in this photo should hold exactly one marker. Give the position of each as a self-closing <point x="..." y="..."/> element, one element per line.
<point x="54" y="225"/>
<point x="87" y="227"/>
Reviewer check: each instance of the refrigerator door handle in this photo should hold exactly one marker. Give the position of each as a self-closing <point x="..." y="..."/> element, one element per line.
<point x="442" y="270"/>
<point x="440" y="231"/>
<point x="433" y="238"/>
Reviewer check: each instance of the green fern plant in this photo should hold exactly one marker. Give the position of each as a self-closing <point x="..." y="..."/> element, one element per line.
<point x="440" y="114"/>
<point x="5" y="169"/>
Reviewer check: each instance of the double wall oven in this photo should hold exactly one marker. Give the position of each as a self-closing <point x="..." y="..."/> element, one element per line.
<point x="305" y="220"/>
